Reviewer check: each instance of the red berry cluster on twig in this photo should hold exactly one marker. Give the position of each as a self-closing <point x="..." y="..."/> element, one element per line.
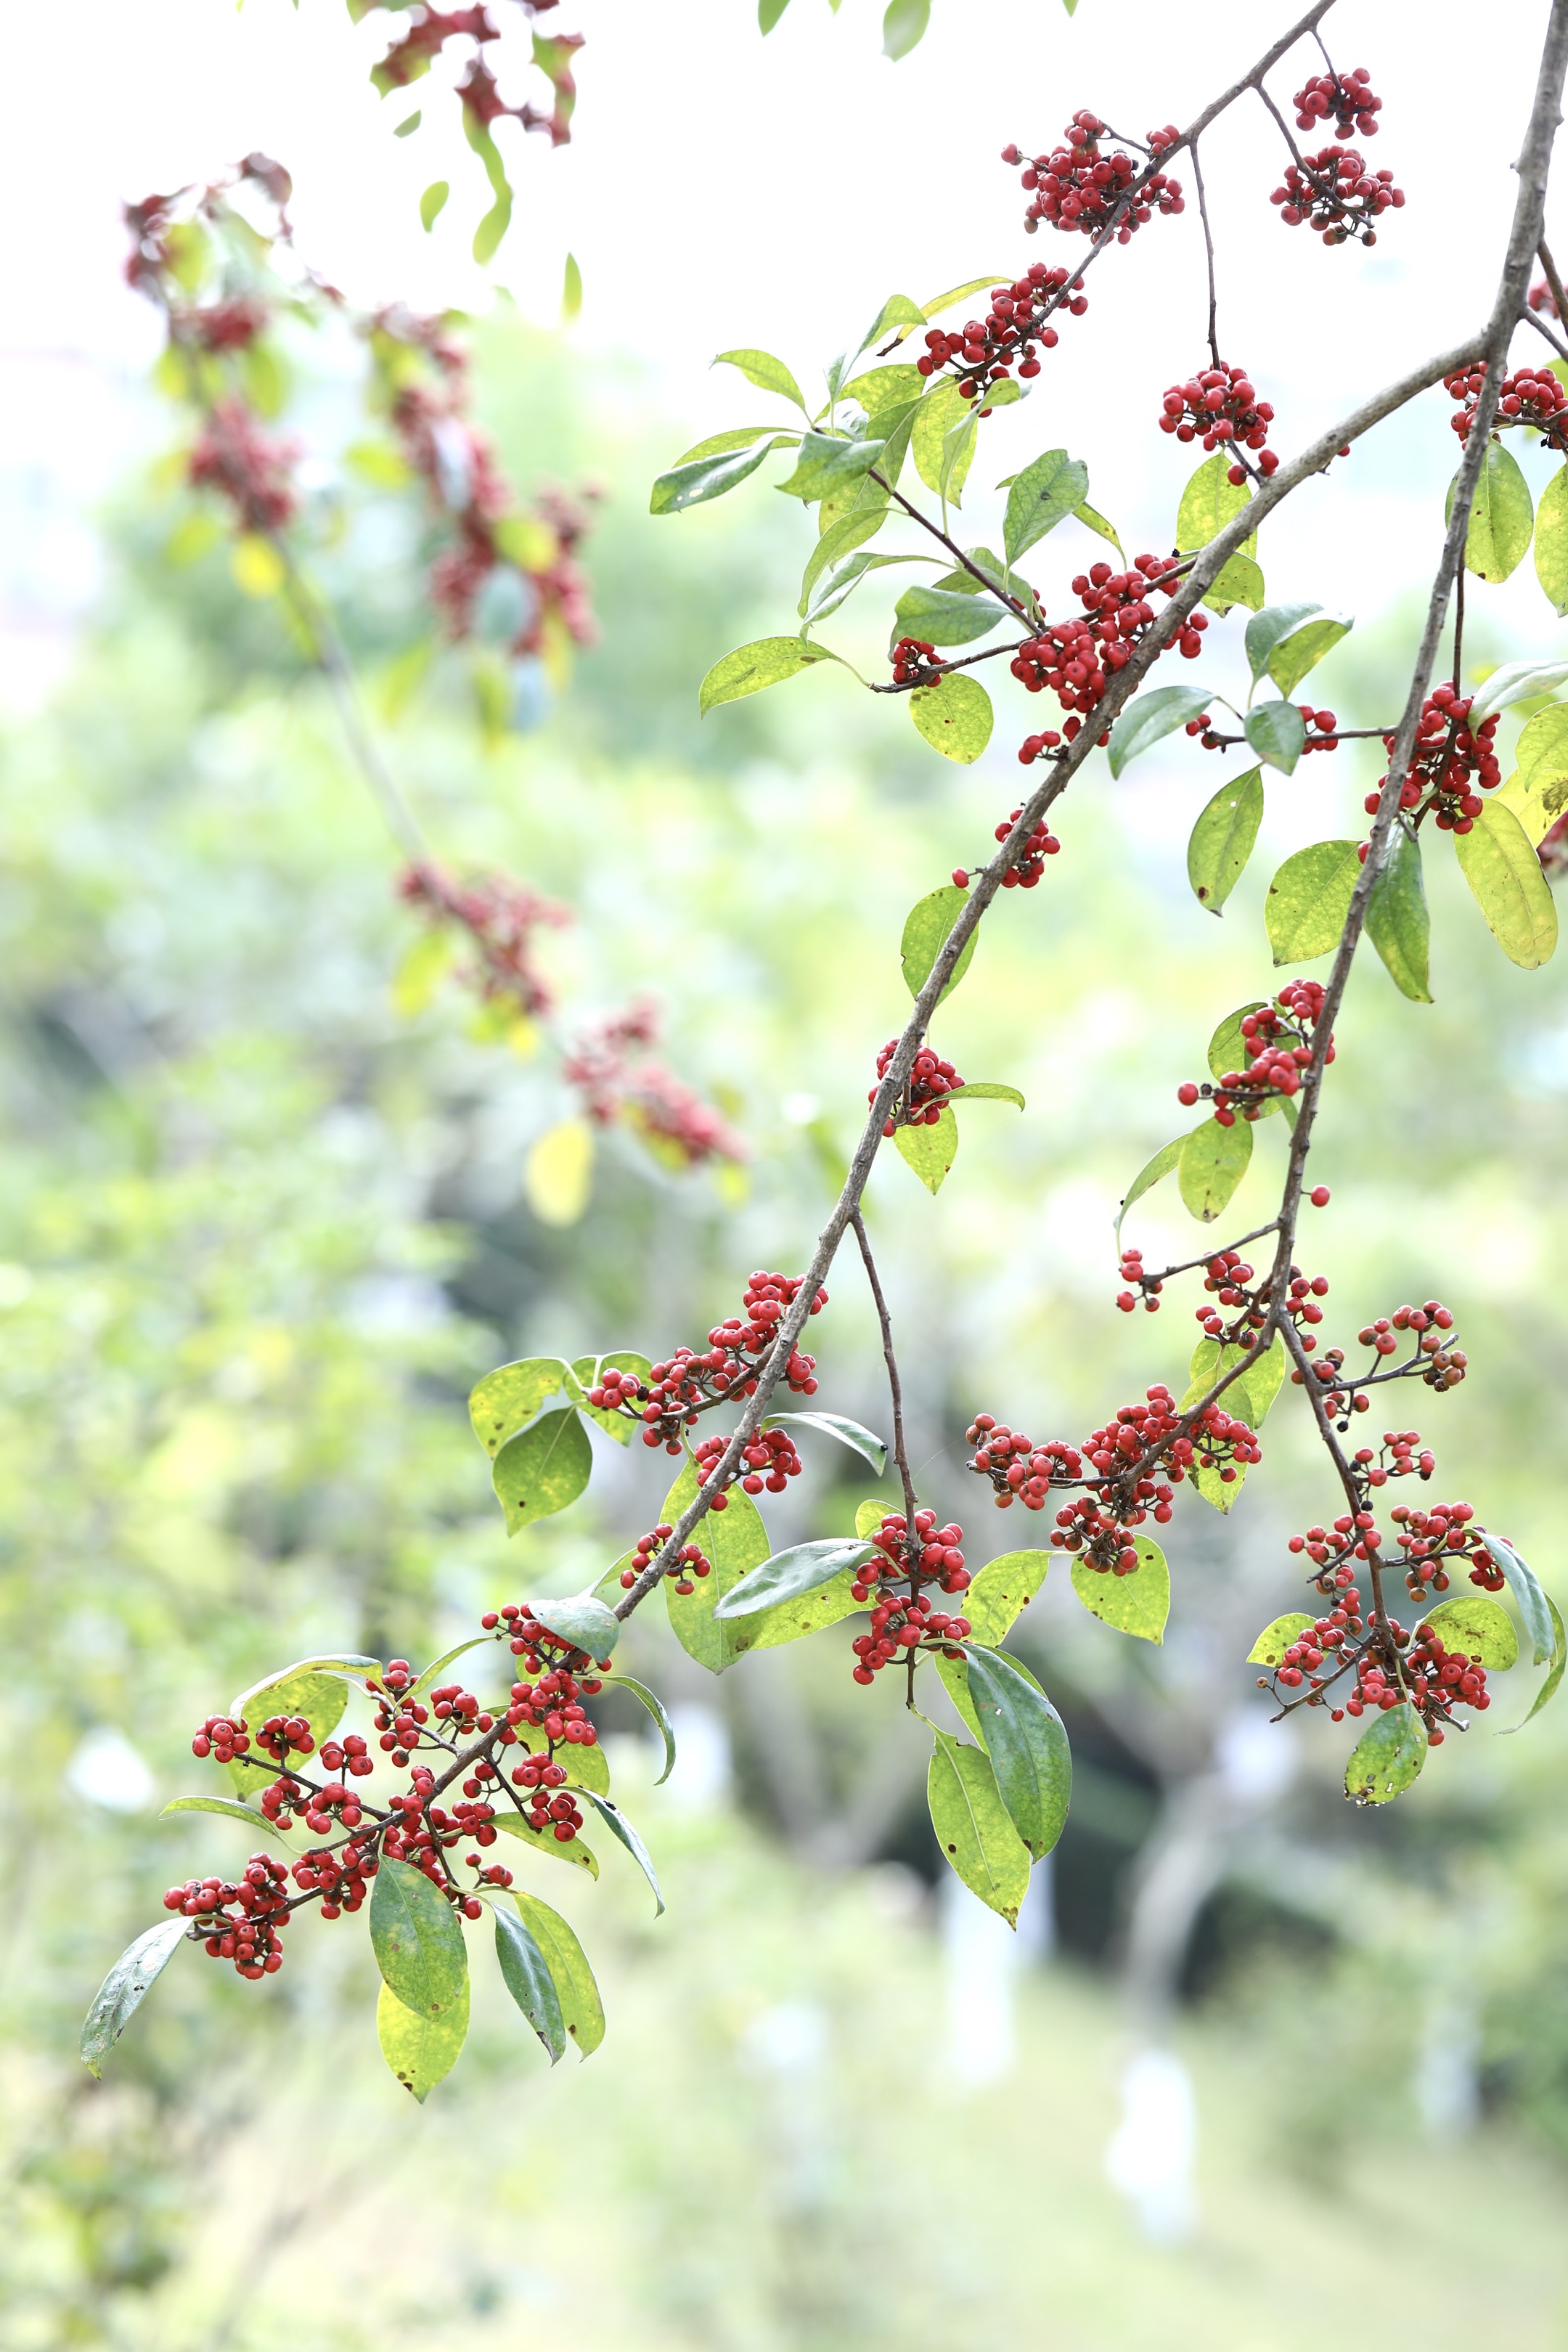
<point x="1221" y="406"/>
<point x="914" y="663"/>
<point x="1335" y="192"/>
<point x="767" y="1459"/>
<point x="1029" y="862"/>
<point x="1278" y="1037"/>
<point x="1448" y="764"/>
<point x="690" y="1561"/>
<point x="1076" y="656"/>
<point x="903" y="1620"/>
<point x="985" y="350"/>
<point x="501" y="917"/>
<point x="618" y="1081"/>
<point x="670" y="1400"/>
<point x="1349" y="98"/>
<point x="926" y="1087"/>
<point x="242" y="1916"/>
<point x="1077" y="186"/>
<point x="1532" y="397"/>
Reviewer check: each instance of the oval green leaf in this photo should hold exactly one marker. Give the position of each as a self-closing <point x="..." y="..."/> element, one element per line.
<point x="735" y="1541"/>
<point x="954" y="716"/>
<point x="1278" y="733"/>
<point x="578" y="1618"/>
<point x="580" y="1856"/>
<point x="1271" y="1644"/>
<point x="1152" y="1173"/>
<point x="790" y="1573"/>
<point x="930" y="1150"/>
<point x="864" y="1441"/>
<point x="974" y="1829"/>
<point x="582" y="2010"/>
<point x="1213" y="1161"/>
<point x="1537" y="792"/>
<point x="1042" y="496"/>
<point x="926" y="928"/>
<point x="1152" y="716"/>
<point x="235" y="1812"/>
<point x="1476" y="1624"/>
<point x="1027" y="1744"/>
<point x="1222" y="840"/>
<point x="126" y="1986"/>
<point x="761" y="369"/>
<point x="1266" y="629"/>
<point x="1397" y="921"/>
<point x="526" y="1974"/>
<point x="1239" y="581"/>
<point x="826" y="463"/>
<point x="697" y="480"/>
<point x="1387" y="1757"/>
<point x="655" y="1705"/>
<point x="420" y="2051"/>
<point x="1210" y="500"/>
<point x="1516" y="681"/>
<point x="767" y="662"/>
<point x="986" y="1090"/>
<point x="1502" y="519"/>
<point x="1552" y="541"/>
<point x="1299" y="649"/>
<point x="1309" y="900"/>
<point x="506" y="1399"/>
<point x="416" y="1939"/>
<point x="616" y="1821"/>
<point x="1001" y="1591"/>
<point x="1498" y="860"/>
<point x="839" y="539"/>
<point x="941" y="616"/>
<point x="1137" y="1605"/>
<point x="542" y="1469"/>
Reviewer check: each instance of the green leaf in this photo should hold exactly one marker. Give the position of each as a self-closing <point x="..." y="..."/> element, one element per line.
<point x="1301" y="649"/>
<point x="791" y="1620"/>
<point x="1537" y="792"/>
<point x="581" y="1856"/>
<point x="903" y="25"/>
<point x="926" y="928"/>
<point x="572" y="288"/>
<point x="1222" y="840"/>
<point x="939" y="616"/>
<point x="954" y="1675"/>
<point x="839" y="539"/>
<point x="897" y="311"/>
<point x="410" y="123"/>
<point x="438" y="1668"/>
<point x="1092" y="520"/>
<point x="1153" y="715"/>
<point x="619" y="1827"/>
<point x="1266" y="629"/>
<point x="587" y="1372"/>
<point x="1271" y="1644"/>
<point x="1251" y="1395"/>
<point x="974" y="1829"/>
<point x="126" y="1986"/>
<point x="1027" y="1744"/>
<point x="1239" y="581"/>
<point x="1213" y="1161"/>
<point x="417" y="1941"/>
<point x="1151" y="1173"/>
<point x="526" y="1974"/>
<point x="766" y="662"/>
<point x="1210" y="500"/>
<point x="314" y="1689"/>
<point x="737" y="437"/>
<point x="1516" y="681"/>
<point x="579" y="1618"/>
<point x="1498" y="860"/>
<point x="655" y="1707"/>
<point x="768" y="14"/>
<point x="498" y="220"/>
<point x="542" y="1469"/>
<point x="1042" y="496"/>
<point x="433" y="203"/>
<point x="1278" y="733"/>
<point x="885" y="387"/>
<point x="506" y="1401"/>
<point x="420" y="2051"/>
<point x="586" y="1767"/>
<point x="1397" y="922"/>
<point x="862" y="1440"/>
<point x="1552" y="540"/>
<point x="1138" y="1604"/>
<point x="230" y="1805"/>
<point x="940" y="302"/>
<point x="582" y="2010"/>
<point x="1227" y="1050"/>
<point x="1001" y="1591"/>
<point x="1541" y="1622"/>
<point x="761" y="369"/>
<point x="870" y="1515"/>
<point x="1387" y="1757"/>
<point x="986" y="1090"/>
<point x="1478" y="1626"/>
<point x="958" y="446"/>
<point x="788" y="1574"/>
<point x="735" y="1541"/>
<point x="1309" y="900"/>
<point x="697" y="480"/>
<point x="826" y="462"/>
<point x="930" y="1150"/>
<point x="1502" y="519"/>
<point x="954" y="716"/>
<point x="937" y="413"/>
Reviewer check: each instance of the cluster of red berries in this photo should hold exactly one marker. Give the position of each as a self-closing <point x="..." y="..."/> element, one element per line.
<point x="1073" y="656"/>
<point x="690" y="1560"/>
<point x="242" y="1916"/>
<point x="914" y="662"/>
<point x="341" y="1879"/>
<point x="1448" y="763"/>
<point x="223" y="1737"/>
<point x="286" y="1801"/>
<point x="903" y="1621"/>
<point x="985" y="350"/>
<point x="1439" y="1539"/>
<point x="1335" y="192"/>
<point x="1311" y="1650"/>
<point x="1019" y="1470"/>
<point x="1347" y="97"/>
<point x="674" y="1393"/>
<point x="501" y="917"/>
<point x="1076" y="186"/>
<point x="550" y="1806"/>
<point x="929" y="1082"/>
<point x="399" y="1717"/>
<point x="606" y="1063"/>
<point x="1438" y="1679"/>
<point x="1532" y="397"/>
<point x="1278" y="1036"/>
<point x="1320" y="728"/>
<point x="252" y="468"/>
<point x="1029" y="865"/>
<point x="767" y="1459"/>
<point x="1221" y="407"/>
<point x="1226" y="1277"/>
<point x="280" y="1732"/>
<point x="1131" y="1269"/>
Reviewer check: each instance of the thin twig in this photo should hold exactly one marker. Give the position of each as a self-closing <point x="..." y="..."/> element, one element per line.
<point x="1208" y="250"/>
<point x="900" y="1453"/>
<point x="1553" y="280"/>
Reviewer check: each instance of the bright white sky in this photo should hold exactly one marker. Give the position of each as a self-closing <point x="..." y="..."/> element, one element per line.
<point x="725" y="190"/>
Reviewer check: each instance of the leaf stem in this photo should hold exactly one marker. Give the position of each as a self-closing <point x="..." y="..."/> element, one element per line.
<point x="901" y="1455"/>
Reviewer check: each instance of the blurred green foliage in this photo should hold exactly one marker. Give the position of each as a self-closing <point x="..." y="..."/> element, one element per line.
<point x="257" y="1235"/>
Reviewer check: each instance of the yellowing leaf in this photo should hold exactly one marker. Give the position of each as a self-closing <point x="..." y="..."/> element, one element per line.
<point x="258" y="569"/>
<point x="559" y="1172"/>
